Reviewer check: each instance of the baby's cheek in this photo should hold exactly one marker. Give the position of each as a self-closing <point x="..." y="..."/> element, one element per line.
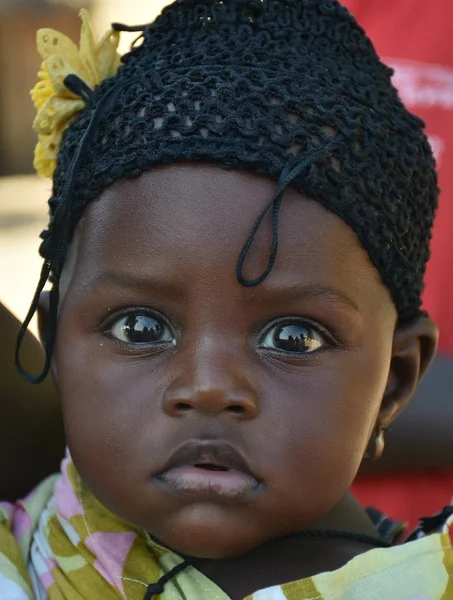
<point x="324" y="436"/>
<point x="322" y="463"/>
<point x="110" y="405"/>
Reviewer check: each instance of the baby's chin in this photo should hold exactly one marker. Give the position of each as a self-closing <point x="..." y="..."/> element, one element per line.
<point x="201" y="533"/>
<point x="219" y="532"/>
<point x="204" y="544"/>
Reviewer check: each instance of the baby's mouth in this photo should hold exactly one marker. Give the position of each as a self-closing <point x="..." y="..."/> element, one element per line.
<point x="209" y="471"/>
<point x="210" y="467"/>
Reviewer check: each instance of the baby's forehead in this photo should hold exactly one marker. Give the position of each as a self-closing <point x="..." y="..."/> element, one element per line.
<point x="202" y="204"/>
<point x="189" y="221"/>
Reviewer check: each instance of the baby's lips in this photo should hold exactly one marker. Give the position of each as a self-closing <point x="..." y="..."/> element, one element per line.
<point x="199" y="483"/>
<point x="217" y="453"/>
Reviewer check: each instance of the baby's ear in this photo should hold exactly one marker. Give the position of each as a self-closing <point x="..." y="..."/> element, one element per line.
<point x="414" y="347"/>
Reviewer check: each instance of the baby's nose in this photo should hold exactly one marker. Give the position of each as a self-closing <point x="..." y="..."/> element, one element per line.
<point x="211" y="392"/>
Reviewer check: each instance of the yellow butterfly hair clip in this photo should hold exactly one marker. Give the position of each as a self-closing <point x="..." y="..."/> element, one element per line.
<point x="56" y="104"/>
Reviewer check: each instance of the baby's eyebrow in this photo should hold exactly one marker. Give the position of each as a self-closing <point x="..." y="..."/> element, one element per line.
<point x="128" y="280"/>
<point x="268" y="292"/>
<point x="297" y="292"/>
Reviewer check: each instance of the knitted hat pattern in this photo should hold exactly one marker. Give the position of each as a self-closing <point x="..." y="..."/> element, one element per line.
<point x="291" y="89"/>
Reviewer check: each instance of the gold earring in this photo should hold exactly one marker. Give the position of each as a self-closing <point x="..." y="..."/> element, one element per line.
<point x="379" y="445"/>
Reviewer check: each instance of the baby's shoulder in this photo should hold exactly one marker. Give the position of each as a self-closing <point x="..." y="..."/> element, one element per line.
<point x="421" y="567"/>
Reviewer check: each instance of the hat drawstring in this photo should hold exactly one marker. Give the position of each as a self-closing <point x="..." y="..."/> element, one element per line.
<point x="54" y="244"/>
<point x="291" y="171"/>
<point x="154" y="589"/>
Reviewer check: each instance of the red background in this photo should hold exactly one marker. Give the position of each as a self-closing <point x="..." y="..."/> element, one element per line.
<point x="423" y="31"/>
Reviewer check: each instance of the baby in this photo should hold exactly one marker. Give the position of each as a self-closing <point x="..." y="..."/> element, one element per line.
<point x="239" y="229"/>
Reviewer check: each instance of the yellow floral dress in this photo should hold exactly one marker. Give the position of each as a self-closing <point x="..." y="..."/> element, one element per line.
<point x="60" y="543"/>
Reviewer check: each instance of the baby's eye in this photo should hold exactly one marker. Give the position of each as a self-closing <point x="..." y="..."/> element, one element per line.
<point x="141" y="328"/>
<point x="299" y="338"/>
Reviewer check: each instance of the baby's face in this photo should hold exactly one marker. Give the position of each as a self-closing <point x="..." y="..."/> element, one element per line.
<point x="213" y="415"/>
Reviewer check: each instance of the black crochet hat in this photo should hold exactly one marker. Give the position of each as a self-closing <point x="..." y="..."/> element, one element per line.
<point x="292" y="89"/>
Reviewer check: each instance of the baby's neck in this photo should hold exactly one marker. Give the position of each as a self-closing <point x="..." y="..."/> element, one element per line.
<point x="292" y="558"/>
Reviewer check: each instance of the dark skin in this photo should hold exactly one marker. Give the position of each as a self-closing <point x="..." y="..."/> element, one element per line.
<point x="164" y="248"/>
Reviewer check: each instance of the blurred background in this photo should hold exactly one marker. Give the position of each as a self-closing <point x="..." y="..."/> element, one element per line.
<point x="412" y="36"/>
<point x="23" y="196"/>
